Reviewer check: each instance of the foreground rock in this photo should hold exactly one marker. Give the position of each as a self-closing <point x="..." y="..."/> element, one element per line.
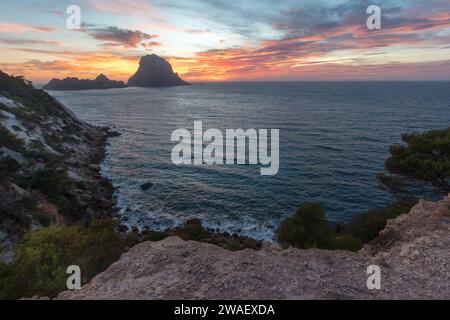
<point x="101" y="82"/>
<point x="155" y="71"/>
<point x="412" y="253"/>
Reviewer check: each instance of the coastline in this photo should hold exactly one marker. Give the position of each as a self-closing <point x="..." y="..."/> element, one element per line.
<point x="175" y="269"/>
<point x="193" y="229"/>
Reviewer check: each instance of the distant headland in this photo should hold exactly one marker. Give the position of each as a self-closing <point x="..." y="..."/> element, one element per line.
<point x="101" y="82"/>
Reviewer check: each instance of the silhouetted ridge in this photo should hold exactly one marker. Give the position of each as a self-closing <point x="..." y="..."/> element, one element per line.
<point x="101" y="82"/>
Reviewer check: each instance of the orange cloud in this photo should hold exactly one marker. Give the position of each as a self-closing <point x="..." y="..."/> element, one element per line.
<point x="79" y="65"/>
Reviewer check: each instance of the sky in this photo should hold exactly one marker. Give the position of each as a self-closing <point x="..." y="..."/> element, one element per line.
<point x="233" y="40"/>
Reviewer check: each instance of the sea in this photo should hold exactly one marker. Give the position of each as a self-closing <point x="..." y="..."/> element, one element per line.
<point x="334" y="138"/>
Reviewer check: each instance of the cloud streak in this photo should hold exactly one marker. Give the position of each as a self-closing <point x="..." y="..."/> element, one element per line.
<point x="21" y="28"/>
<point x="293" y="39"/>
<point x="121" y="37"/>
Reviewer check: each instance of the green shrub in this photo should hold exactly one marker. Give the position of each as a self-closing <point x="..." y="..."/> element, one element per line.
<point x="308" y="228"/>
<point x="347" y="242"/>
<point x="51" y="181"/>
<point x="41" y="259"/>
<point x="10" y="141"/>
<point x="44" y="219"/>
<point x="366" y="226"/>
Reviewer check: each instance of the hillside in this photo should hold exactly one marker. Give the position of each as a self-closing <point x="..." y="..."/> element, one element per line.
<point x="49" y="163"/>
<point x="412" y="252"/>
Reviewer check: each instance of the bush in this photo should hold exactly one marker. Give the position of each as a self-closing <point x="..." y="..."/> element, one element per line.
<point x="41" y="259"/>
<point x="8" y="167"/>
<point x="308" y="228"/>
<point x="366" y="226"/>
<point x="347" y="242"/>
<point x="10" y="141"/>
<point x="422" y="160"/>
<point x="51" y="181"/>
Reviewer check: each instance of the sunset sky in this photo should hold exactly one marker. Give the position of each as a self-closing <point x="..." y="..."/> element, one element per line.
<point x="213" y="40"/>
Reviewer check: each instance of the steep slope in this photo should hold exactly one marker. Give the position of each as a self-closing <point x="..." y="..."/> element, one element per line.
<point x="412" y="252"/>
<point x="155" y="71"/>
<point x="49" y="164"/>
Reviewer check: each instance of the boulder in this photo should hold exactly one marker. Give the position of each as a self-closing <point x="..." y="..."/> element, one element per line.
<point x="146" y="186"/>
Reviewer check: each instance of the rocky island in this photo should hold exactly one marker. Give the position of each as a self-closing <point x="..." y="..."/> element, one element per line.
<point x="101" y="82"/>
<point x="155" y="71"/>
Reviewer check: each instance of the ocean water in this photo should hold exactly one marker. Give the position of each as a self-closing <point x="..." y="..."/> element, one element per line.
<point x="334" y="137"/>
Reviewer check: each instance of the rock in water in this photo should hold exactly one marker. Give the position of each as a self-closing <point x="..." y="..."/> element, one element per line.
<point x="146" y="186"/>
<point x="101" y="82"/>
<point x="155" y="71"/>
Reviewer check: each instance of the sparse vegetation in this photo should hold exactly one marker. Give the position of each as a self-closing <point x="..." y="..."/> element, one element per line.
<point x="41" y="259"/>
<point x="10" y="141"/>
<point x="21" y="90"/>
<point x="51" y="181"/>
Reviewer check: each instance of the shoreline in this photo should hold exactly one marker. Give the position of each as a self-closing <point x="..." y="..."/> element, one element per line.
<point x="192" y="229"/>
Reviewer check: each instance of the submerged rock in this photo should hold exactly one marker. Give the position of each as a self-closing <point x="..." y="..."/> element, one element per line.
<point x="155" y="71"/>
<point x="146" y="186"/>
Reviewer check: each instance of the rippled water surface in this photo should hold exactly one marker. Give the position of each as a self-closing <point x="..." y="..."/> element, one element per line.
<point x="334" y="138"/>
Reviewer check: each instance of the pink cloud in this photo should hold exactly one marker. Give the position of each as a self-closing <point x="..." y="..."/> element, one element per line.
<point x="121" y="6"/>
<point x="20" y="28"/>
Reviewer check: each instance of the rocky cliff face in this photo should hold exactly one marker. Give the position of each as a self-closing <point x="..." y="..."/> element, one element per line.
<point x="49" y="164"/>
<point x="412" y="252"/>
<point x="101" y="82"/>
<point x="154" y="71"/>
